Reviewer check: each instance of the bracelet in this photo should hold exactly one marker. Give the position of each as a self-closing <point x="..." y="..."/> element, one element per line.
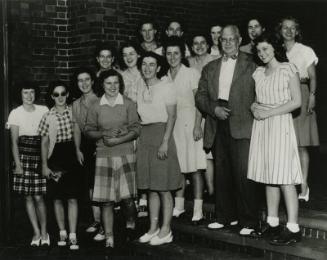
<point x="312" y="93"/>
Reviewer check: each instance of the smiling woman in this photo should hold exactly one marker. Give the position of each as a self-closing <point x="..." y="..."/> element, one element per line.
<point x="113" y="123"/>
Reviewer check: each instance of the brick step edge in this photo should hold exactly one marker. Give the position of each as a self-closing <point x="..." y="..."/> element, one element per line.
<point x="313" y="223"/>
<point x="181" y="250"/>
<point x="306" y="249"/>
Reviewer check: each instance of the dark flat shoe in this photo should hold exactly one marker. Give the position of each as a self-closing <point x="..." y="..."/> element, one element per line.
<point x="286" y="237"/>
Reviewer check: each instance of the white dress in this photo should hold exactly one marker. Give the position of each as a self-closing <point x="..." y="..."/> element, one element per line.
<point x="191" y="155"/>
<point x="199" y="66"/>
<point x="273" y="156"/>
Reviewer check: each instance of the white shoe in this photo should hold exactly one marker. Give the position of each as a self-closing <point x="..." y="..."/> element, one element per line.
<point x="147" y="237"/>
<point x="177" y="212"/>
<point x="233" y="223"/>
<point x="246" y="231"/>
<point x="45" y="242"/>
<point x="62" y="238"/>
<point x="100" y="236"/>
<point x="197" y="217"/>
<point x="156" y="241"/>
<point x="36" y="242"/>
<point x="215" y="225"/>
<point x="73" y="245"/>
<point x="93" y="227"/>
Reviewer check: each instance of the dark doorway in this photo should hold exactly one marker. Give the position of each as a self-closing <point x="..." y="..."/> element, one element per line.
<point x="5" y="208"/>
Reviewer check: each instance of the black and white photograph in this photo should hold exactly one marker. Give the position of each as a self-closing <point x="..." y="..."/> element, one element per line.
<point x="163" y="129"/>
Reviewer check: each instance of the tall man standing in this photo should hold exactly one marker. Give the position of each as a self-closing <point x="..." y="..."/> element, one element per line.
<point x="225" y="94"/>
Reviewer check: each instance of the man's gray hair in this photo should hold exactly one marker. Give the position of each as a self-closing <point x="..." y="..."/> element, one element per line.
<point x="234" y="28"/>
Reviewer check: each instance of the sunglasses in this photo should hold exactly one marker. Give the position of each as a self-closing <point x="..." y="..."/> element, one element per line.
<point x="62" y="94"/>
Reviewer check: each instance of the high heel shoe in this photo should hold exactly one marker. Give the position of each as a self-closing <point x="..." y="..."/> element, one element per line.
<point x="305" y="197"/>
<point x="36" y="242"/>
<point x="45" y="242"/>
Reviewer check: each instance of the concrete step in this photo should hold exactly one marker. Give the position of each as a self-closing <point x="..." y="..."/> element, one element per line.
<point x="313" y="222"/>
<point x="308" y="248"/>
<point x="180" y="250"/>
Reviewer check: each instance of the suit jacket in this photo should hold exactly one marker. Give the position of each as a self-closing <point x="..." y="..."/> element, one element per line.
<point x="241" y="96"/>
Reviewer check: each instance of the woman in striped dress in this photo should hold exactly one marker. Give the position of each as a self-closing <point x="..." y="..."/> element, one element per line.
<point x="23" y="122"/>
<point x="113" y="122"/>
<point x="273" y="157"/>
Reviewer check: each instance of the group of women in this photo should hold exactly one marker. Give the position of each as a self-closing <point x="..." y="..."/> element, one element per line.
<point x="133" y="129"/>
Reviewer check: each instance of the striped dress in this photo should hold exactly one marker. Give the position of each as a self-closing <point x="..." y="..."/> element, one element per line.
<point x="273" y="156"/>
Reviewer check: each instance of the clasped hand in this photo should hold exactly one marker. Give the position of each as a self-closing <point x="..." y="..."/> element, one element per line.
<point x="222" y="112"/>
<point x="259" y="112"/>
<point x="114" y="132"/>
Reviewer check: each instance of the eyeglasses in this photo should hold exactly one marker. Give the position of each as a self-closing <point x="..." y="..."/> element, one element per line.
<point x="229" y="40"/>
<point x="62" y="94"/>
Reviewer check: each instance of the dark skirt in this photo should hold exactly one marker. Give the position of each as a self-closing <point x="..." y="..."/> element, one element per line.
<point x="63" y="160"/>
<point x="153" y="173"/>
<point x="31" y="182"/>
<point x="88" y="149"/>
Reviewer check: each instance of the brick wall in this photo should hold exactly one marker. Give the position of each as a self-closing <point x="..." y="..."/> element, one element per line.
<point x="49" y="38"/>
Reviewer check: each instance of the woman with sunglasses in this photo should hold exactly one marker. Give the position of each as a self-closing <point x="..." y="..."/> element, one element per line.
<point x="113" y="122"/>
<point x="23" y="122"/>
<point x="59" y="163"/>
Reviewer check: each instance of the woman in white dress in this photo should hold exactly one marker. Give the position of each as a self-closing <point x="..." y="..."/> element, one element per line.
<point x="197" y="61"/>
<point x="273" y="158"/>
<point x="187" y="130"/>
<point x="305" y="123"/>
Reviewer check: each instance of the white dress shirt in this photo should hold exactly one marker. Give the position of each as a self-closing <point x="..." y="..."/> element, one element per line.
<point x="225" y="77"/>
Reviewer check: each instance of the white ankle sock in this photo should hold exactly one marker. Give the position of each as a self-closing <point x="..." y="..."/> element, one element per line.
<point x="143" y="202"/>
<point x="72" y="235"/>
<point x="273" y="221"/>
<point x="293" y="227"/>
<point x="179" y="203"/>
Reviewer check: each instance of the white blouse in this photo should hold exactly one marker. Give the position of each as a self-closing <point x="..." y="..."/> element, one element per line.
<point x="302" y="57"/>
<point x="27" y="121"/>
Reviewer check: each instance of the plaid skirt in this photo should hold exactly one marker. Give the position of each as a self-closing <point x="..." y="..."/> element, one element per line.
<point x="31" y="182"/>
<point x="114" y="178"/>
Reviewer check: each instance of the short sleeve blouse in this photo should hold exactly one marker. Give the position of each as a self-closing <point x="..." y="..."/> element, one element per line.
<point x="186" y="80"/>
<point x="302" y="56"/>
<point x="274" y="89"/>
<point x="63" y="123"/>
<point x="27" y="121"/>
<point x="152" y="102"/>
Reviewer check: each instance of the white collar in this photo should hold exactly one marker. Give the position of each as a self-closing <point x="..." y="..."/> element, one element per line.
<point x="119" y="100"/>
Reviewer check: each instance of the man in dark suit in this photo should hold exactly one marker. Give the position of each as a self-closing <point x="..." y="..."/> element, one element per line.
<point x="225" y="94"/>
